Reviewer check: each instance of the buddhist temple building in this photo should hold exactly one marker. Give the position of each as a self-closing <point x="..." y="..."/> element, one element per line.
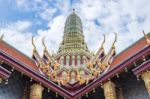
<point x="74" y="72"/>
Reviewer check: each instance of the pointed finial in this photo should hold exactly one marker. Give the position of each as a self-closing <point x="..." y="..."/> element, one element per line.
<point x="147" y="39"/>
<point x="73" y="10"/>
<point x="44" y="43"/>
<point x="114" y="40"/>
<point x="103" y="41"/>
<point x="34" y="47"/>
<point x="2" y="36"/>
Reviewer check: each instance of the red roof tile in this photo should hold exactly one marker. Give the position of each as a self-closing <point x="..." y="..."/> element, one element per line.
<point x="133" y="49"/>
<point x="17" y="55"/>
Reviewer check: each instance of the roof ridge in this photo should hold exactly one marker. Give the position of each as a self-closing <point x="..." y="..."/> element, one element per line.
<point x="16" y="49"/>
<point x="132" y="45"/>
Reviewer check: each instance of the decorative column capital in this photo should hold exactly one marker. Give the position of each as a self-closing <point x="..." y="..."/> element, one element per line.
<point x="146" y="77"/>
<point x="1" y="80"/>
<point x="109" y="90"/>
<point x="36" y="91"/>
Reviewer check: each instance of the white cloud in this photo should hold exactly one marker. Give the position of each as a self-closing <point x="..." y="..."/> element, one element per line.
<point x="53" y="36"/>
<point x="127" y="18"/>
<point x="94" y="8"/>
<point x="19" y="25"/>
<point x="47" y="13"/>
<point x="31" y="5"/>
<point x="114" y="16"/>
<point x="15" y="35"/>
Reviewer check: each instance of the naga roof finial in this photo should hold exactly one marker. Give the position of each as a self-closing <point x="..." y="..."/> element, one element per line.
<point x="34" y="47"/>
<point x="147" y="39"/>
<point x="114" y="40"/>
<point x="44" y="43"/>
<point x="2" y="36"/>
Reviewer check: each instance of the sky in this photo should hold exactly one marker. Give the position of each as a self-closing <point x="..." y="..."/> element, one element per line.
<point x="22" y="19"/>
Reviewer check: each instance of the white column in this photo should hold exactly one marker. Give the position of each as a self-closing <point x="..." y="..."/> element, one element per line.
<point x="73" y="60"/>
<point x="67" y="60"/>
<point x="84" y="60"/>
<point x="62" y="60"/>
<point x="78" y="60"/>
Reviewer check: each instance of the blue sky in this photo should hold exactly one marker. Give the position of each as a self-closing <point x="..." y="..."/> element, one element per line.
<point x="21" y="19"/>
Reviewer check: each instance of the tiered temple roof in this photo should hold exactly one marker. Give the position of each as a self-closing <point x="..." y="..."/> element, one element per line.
<point x="73" y="71"/>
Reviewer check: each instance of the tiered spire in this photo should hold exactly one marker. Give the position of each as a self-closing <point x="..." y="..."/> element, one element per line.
<point x="73" y="39"/>
<point x="73" y="62"/>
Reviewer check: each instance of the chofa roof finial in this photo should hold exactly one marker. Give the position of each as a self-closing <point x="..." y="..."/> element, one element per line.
<point x="2" y="36"/>
<point x="44" y="43"/>
<point x="103" y="41"/>
<point x="34" y="47"/>
<point x="114" y="40"/>
<point x="147" y="39"/>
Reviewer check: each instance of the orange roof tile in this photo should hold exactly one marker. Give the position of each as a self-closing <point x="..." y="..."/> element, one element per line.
<point x="130" y="51"/>
<point x="17" y="55"/>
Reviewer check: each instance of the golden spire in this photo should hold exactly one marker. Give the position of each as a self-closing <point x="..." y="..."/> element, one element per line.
<point x="113" y="45"/>
<point x="2" y="36"/>
<point x="147" y="39"/>
<point x="44" y="43"/>
<point x="34" y="47"/>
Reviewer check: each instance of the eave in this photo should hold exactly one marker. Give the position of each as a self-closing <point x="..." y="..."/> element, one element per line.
<point x="49" y="84"/>
<point x="113" y="71"/>
<point x="4" y="73"/>
<point x="142" y="68"/>
<point x="33" y="73"/>
<point x="26" y="70"/>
